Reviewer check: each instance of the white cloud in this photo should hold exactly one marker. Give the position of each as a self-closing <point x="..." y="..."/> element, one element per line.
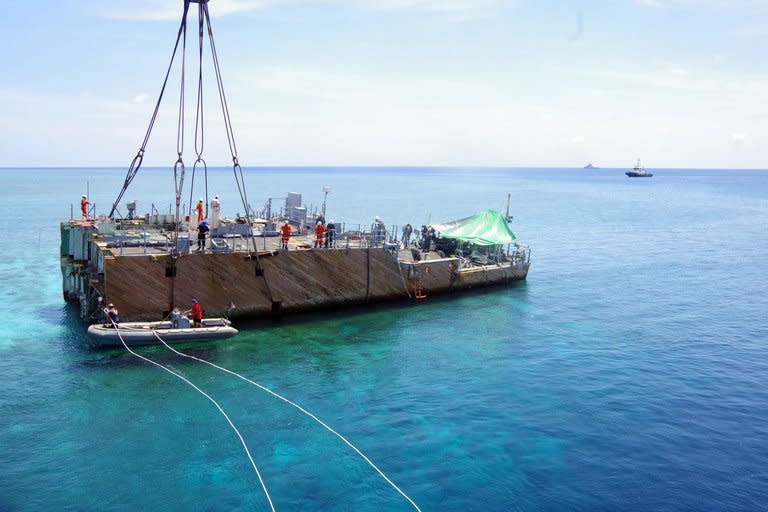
<point x="739" y="137"/>
<point x="449" y="6"/>
<point x="346" y="87"/>
<point x="751" y="31"/>
<point x="578" y="139"/>
<point x="141" y="98"/>
<point x="666" y="78"/>
<point x="649" y="3"/>
<point x="170" y="10"/>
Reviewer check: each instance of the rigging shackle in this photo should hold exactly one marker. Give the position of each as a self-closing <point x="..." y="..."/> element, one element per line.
<point x="133" y="169"/>
<point x="178" y="178"/>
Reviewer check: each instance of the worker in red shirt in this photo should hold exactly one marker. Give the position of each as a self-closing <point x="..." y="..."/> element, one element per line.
<point x="84" y="206"/>
<point x="200" y="211"/>
<point x="285" y="231"/>
<point x="197" y="314"/>
<point x="320" y="232"/>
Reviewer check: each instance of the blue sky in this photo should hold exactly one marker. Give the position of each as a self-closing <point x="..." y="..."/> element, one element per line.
<point x="679" y="83"/>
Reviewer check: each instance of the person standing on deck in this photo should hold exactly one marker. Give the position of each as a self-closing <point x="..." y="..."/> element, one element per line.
<point x="84" y="206"/>
<point x="200" y="211"/>
<point x="285" y="235"/>
<point x="197" y="313"/>
<point x="320" y="234"/>
<point x="202" y="229"/>
<point x="378" y="231"/>
<point x="215" y="212"/>
<point x="330" y="234"/>
<point x="407" y="231"/>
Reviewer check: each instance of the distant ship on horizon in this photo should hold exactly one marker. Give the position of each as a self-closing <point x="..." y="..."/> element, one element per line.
<point x="590" y="166"/>
<point x="638" y="171"/>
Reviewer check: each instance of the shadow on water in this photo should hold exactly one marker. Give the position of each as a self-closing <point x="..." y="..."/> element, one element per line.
<point x="74" y="332"/>
<point x="395" y="309"/>
<point x="314" y="334"/>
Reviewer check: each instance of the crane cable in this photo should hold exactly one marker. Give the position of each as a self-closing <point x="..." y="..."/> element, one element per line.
<point x="300" y="408"/>
<point x="133" y="169"/>
<point x="211" y="399"/>
<point x="236" y="168"/>
<point x="178" y="166"/>
<point x="199" y="125"/>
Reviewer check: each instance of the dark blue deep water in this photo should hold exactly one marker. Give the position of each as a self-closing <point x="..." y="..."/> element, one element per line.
<point x="627" y="373"/>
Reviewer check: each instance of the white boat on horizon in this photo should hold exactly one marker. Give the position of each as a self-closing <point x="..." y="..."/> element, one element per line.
<point x="638" y="171"/>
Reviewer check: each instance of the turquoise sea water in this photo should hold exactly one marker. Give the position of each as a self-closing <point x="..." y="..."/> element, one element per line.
<point x="627" y="373"/>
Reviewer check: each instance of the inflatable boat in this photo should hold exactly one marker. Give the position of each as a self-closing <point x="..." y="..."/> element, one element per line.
<point x="143" y="333"/>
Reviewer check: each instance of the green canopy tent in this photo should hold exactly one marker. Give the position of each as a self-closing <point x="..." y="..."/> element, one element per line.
<point x="485" y="229"/>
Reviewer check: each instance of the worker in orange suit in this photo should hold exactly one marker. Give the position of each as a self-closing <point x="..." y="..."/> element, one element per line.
<point x="84" y="206"/>
<point x="200" y="211"/>
<point x="285" y="231"/>
<point x="320" y="232"/>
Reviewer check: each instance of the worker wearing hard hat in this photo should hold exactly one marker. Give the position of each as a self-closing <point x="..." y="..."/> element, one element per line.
<point x="285" y="235"/>
<point x="215" y="212"/>
<point x="320" y="234"/>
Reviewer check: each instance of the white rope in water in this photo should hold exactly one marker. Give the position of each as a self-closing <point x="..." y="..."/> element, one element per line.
<point x="214" y="402"/>
<point x="300" y="408"/>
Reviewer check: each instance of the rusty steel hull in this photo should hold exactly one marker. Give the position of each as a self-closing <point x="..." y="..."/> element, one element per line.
<point x="147" y="285"/>
<point x="284" y="282"/>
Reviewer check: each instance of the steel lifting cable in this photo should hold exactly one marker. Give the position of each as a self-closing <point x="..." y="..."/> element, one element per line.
<point x="178" y="177"/>
<point x="199" y="124"/>
<point x="300" y="408"/>
<point x="133" y="169"/>
<point x="236" y="168"/>
<point x="212" y="400"/>
<point x="178" y="166"/>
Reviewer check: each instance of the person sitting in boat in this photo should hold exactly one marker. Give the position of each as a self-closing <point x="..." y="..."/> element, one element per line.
<point x="197" y="313"/>
<point x="175" y="318"/>
<point x="112" y="317"/>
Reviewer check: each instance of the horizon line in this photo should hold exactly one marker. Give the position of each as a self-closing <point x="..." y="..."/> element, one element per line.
<point x="374" y="166"/>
